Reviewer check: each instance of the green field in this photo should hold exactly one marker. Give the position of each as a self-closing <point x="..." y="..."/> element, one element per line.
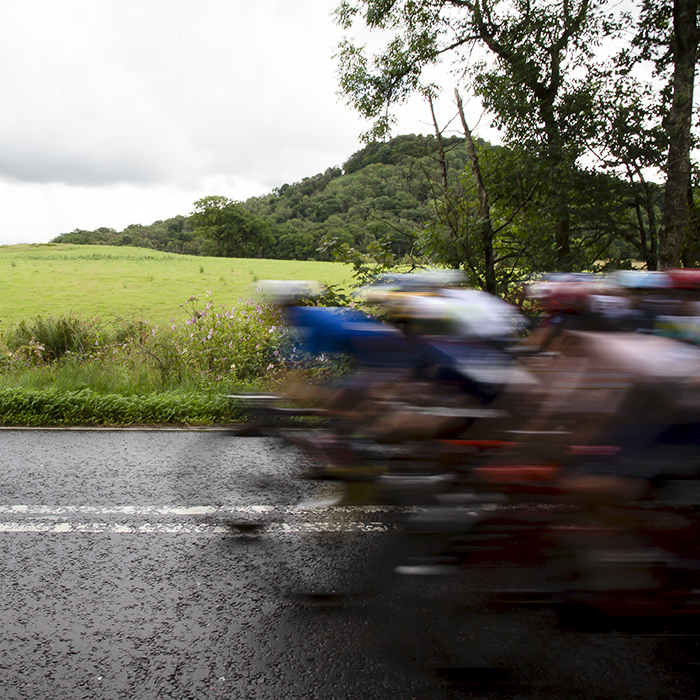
<point x="109" y="282"/>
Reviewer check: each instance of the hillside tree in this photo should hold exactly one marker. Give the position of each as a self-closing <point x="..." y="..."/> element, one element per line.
<point x="236" y="233"/>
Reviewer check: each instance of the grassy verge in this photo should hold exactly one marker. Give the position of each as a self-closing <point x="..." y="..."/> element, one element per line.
<point x="75" y="371"/>
<point x="51" y="407"/>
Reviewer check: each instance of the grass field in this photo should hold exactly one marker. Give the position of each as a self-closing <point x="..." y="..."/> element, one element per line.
<point x="110" y="282"/>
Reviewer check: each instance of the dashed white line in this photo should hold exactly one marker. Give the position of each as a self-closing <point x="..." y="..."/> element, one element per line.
<point x="180" y="511"/>
<point x="243" y="519"/>
<point x="306" y="518"/>
<point x="185" y="528"/>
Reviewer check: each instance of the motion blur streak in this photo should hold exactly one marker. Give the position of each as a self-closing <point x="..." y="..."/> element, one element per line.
<point x="562" y="435"/>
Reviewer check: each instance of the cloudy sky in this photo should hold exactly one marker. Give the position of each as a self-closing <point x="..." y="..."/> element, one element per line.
<point x="127" y="111"/>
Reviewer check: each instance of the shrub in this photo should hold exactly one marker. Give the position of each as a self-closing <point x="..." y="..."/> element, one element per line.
<point x="223" y="344"/>
<point x="48" y="339"/>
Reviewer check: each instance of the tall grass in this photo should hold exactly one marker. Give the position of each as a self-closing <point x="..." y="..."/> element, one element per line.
<point x="53" y="338"/>
<point x="69" y="369"/>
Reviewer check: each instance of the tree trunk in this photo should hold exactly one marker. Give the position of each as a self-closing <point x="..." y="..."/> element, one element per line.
<point x="484" y="209"/>
<point x="450" y="216"/>
<point x="678" y="126"/>
<point x="562" y="226"/>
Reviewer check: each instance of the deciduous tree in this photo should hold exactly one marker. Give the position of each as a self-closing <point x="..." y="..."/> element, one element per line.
<point x="533" y="79"/>
<point x="235" y="231"/>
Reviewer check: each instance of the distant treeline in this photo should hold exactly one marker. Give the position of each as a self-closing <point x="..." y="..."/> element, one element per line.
<point x="384" y="191"/>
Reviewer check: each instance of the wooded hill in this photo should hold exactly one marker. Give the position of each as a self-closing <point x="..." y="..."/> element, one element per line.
<point x="385" y="190"/>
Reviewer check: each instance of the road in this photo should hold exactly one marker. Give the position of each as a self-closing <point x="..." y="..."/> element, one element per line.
<point x="177" y="564"/>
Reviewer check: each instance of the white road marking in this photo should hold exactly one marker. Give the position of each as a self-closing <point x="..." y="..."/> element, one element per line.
<point x="317" y="517"/>
<point x="176" y="511"/>
<point x="306" y="518"/>
<point x="43" y="526"/>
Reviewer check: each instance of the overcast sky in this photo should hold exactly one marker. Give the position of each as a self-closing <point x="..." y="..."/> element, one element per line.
<point x="127" y="111"/>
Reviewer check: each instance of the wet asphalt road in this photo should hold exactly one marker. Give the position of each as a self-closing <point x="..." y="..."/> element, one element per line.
<point x="132" y="568"/>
